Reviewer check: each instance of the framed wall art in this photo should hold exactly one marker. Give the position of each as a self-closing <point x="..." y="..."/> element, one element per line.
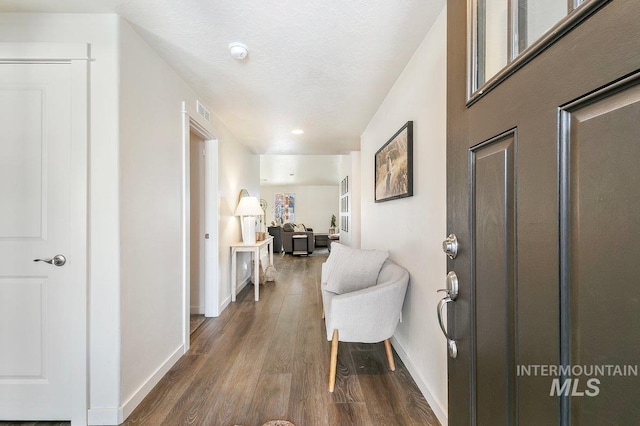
<point x="284" y="207"/>
<point x="394" y="166"/>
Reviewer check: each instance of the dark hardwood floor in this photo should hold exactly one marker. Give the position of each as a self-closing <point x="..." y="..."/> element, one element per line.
<point x="268" y="360"/>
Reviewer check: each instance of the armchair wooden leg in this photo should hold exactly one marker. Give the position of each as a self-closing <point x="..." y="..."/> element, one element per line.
<point x="387" y="346"/>
<point x="334" y="361"/>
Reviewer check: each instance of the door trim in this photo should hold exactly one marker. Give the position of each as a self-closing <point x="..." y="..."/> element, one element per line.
<point x="78" y="56"/>
<point x="192" y="123"/>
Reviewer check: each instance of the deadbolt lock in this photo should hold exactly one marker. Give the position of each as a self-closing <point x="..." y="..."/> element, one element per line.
<point x="450" y="246"/>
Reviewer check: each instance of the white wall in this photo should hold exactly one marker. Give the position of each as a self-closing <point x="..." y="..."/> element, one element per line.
<point x="104" y="244"/>
<point x="150" y="212"/>
<point x="412" y="229"/>
<point x="314" y="204"/>
<point x="151" y="231"/>
<point x="239" y="169"/>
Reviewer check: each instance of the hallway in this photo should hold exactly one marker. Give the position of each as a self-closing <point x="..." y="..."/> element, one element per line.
<point x="269" y="360"/>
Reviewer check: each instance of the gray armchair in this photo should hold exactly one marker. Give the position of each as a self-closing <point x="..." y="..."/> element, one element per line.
<point x="369" y="315"/>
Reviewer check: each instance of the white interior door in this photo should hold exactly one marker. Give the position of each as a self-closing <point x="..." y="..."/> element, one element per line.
<point x="36" y="298"/>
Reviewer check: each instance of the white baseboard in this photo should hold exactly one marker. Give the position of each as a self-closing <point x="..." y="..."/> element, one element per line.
<point x="244" y="283"/>
<point x="105" y="416"/>
<point x="196" y="310"/>
<point x="438" y="410"/>
<point x="144" y="390"/>
<point x="227" y="300"/>
<point x="224" y="305"/>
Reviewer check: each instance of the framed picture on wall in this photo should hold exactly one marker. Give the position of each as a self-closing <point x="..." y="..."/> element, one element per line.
<point x="344" y="185"/>
<point x="394" y="166"/>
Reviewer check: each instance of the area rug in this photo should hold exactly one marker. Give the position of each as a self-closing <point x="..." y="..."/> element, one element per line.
<point x="278" y="423"/>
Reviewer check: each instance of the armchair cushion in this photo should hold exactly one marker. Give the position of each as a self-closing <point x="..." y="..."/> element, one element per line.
<point x="353" y="269"/>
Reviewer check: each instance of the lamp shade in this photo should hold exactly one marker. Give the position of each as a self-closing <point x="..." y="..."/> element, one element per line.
<point x="249" y="206"/>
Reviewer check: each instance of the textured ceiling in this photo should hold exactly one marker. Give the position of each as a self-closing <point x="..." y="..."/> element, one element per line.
<point x="323" y="66"/>
<point x="299" y="170"/>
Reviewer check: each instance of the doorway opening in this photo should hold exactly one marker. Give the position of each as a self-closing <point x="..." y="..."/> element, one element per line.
<point x="200" y="225"/>
<point x="197" y="231"/>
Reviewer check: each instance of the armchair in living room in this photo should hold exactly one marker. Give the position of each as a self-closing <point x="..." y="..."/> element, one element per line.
<point x="362" y="295"/>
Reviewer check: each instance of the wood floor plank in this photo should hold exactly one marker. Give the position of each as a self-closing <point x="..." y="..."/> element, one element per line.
<point x="282" y="346"/>
<point x="353" y="413"/>
<point x="347" y="383"/>
<point x="309" y="396"/>
<point x="231" y="400"/>
<point x="383" y="405"/>
<point x="271" y="398"/>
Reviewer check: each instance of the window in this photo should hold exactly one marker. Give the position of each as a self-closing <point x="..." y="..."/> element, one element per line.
<point x="505" y="34"/>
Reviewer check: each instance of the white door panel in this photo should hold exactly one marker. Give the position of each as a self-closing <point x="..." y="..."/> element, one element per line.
<point x="21" y="175"/>
<point x="35" y="319"/>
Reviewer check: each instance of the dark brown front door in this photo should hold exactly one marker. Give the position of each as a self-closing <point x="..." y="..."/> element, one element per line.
<point x="543" y="188"/>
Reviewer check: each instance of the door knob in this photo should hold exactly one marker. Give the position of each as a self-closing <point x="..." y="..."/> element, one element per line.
<point x="57" y="260"/>
<point x="450" y="246"/>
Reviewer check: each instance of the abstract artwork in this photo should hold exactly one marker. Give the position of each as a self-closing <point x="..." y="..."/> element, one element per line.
<point x="284" y="207"/>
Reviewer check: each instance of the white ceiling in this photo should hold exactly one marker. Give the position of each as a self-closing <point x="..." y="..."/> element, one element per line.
<point x="278" y="170"/>
<point x="323" y="66"/>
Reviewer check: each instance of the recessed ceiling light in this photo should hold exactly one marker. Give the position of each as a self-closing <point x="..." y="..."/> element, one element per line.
<point x="238" y="50"/>
<point x="297" y="131"/>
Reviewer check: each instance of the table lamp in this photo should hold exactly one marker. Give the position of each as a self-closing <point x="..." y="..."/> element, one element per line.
<point x="247" y="209"/>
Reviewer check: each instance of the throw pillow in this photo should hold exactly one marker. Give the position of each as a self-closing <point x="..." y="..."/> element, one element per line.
<point x="353" y="269"/>
<point x="287" y="227"/>
<point x="300" y="228"/>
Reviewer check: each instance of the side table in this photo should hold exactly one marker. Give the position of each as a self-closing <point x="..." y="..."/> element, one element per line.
<point x="255" y="249"/>
<point x="299" y="243"/>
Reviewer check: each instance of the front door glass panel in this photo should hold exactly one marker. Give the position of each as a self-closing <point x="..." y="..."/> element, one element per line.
<point x="501" y="31"/>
